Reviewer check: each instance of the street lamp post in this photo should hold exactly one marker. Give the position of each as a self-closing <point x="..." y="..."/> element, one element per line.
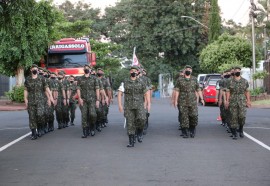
<point x="195" y="21"/>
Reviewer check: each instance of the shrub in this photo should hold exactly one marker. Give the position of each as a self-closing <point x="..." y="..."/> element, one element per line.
<point x="16" y="94"/>
<point x="257" y="91"/>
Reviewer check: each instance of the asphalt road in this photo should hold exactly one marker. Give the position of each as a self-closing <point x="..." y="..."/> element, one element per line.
<point x="164" y="158"/>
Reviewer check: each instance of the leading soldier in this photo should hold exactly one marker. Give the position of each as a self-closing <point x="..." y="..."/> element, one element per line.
<point x="185" y="96"/>
<point x="135" y="101"/>
<point x="34" y="92"/>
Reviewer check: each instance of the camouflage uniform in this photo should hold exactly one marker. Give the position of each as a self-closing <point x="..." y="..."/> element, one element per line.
<point x="66" y="86"/>
<point x="106" y="86"/>
<point x="238" y="101"/>
<point x="72" y="102"/>
<point x="227" y="111"/>
<point x="50" y="110"/>
<point x="100" y="109"/>
<point x="221" y="84"/>
<point x="36" y="102"/>
<point x="60" y="104"/>
<point x="187" y="101"/>
<point x="134" y="105"/>
<point x="88" y="87"/>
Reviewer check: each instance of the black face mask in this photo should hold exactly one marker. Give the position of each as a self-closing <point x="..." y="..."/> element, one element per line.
<point x="40" y="73"/>
<point x="232" y="73"/>
<point x="71" y="81"/>
<point x="133" y="74"/>
<point x="34" y="72"/>
<point x="237" y="74"/>
<point x="59" y="78"/>
<point x="99" y="74"/>
<point x="52" y="77"/>
<point x="86" y="71"/>
<point x="187" y="73"/>
<point x="227" y="76"/>
<point x="46" y="76"/>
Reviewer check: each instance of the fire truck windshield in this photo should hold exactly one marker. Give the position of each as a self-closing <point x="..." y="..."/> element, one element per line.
<point x="67" y="60"/>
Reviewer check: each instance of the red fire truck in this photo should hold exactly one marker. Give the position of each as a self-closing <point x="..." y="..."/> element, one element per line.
<point x="69" y="55"/>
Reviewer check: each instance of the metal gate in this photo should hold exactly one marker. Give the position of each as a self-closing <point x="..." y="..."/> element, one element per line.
<point x="165" y="83"/>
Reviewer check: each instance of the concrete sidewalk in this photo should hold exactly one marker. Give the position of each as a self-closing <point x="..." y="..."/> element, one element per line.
<point x="6" y="105"/>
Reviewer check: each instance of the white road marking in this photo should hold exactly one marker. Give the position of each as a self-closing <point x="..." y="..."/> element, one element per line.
<point x="13" y="142"/>
<point x="15" y="128"/>
<point x="257" y="128"/>
<point x="257" y="141"/>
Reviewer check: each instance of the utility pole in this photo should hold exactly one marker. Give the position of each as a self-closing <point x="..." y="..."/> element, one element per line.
<point x="252" y="16"/>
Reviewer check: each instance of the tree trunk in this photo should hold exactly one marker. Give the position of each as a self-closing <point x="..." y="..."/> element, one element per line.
<point x="19" y="76"/>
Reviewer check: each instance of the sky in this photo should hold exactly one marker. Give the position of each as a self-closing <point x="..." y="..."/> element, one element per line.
<point x="238" y="10"/>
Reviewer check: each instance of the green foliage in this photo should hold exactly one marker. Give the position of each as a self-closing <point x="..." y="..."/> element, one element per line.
<point x="260" y="75"/>
<point x="155" y="27"/>
<point x="214" y="22"/>
<point x="16" y="94"/>
<point x="118" y="77"/>
<point x="257" y="91"/>
<point x="227" y="50"/>
<point x="25" y="31"/>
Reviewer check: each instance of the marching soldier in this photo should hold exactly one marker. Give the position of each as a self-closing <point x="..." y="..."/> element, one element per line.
<point x="136" y="98"/>
<point x="35" y="90"/>
<point x="238" y="98"/>
<point x="66" y="87"/>
<point x="72" y="100"/>
<point x="186" y="98"/>
<point x="89" y="98"/>
<point x="53" y="84"/>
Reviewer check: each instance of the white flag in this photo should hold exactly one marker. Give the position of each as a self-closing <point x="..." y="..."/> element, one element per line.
<point x="135" y="59"/>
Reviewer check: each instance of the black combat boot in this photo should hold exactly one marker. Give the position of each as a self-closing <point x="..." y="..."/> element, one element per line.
<point x="241" y="133"/>
<point x="34" y="134"/>
<point x="131" y="140"/>
<point x="185" y="132"/>
<point x="234" y="134"/>
<point x="84" y="133"/>
<point x="98" y="126"/>
<point x="192" y="131"/>
<point x="140" y="135"/>
<point x="182" y="133"/>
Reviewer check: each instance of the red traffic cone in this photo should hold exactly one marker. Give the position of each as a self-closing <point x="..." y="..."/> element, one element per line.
<point x="219" y="118"/>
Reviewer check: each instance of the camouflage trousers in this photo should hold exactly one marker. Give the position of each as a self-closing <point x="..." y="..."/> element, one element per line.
<point x="65" y="113"/>
<point x="223" y="112"/>
<point x="89" y="115"/>
<point x="106" y="112"/>
<point x="72" y="108"/>
<point x="238" y="115"/>
<point x="100" y="113"/>
<point x="36" y="114"/>
<point x="179" y="115"/>
<point x="50" y="116"/>
<point x="59" y="112"/>
<point x="135" y="119"/>
<point x="189" y="116"/>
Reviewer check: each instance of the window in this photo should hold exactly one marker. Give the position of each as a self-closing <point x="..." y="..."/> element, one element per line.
<point x="67" y="60"/>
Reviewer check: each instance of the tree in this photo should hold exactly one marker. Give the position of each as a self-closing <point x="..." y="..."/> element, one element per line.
<point x="165" y="42"/>
<point x="227" y="50"/>
<point x="214" y="22"/>
<point x="26" y="27"/>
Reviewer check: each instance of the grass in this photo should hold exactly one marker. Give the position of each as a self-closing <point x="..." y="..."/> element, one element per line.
<point x="261" y="102"/>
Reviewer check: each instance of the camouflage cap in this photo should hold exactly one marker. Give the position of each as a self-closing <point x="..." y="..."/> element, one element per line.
<point x="181" y="71"/>
<point x="100" y="69"/>
<point x="134" y="67"/>
<point x="60" y="73"/>
<point x="188" y="66"/>
<point x="34" y="66"/>
<point x="237" y="67"/>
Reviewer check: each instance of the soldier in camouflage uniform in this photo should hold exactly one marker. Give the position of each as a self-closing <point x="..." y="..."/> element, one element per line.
<point x="89" y="98"/>
<point x="61" y="101"/>
<point x="66" y="87"/>
<point x="106" y="97"/>
<point x="220" y="93"/>
<point x="53" y="85"/>
<point x="238" y="98"/>
<point x="34" y="93"/>
<point x="72" y="100"/>
<point x="136" y="99"/>
<point x="227" y="111"/>
<point x="186" y="98"/>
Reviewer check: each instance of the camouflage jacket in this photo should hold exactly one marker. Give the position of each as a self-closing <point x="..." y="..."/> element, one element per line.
<point x="237" y="89"/>
<point x="187" y="89"/>
<point x="134" y="93"/>
<point x="73" y="91"/>
<point x="36" y="90"/>
<point x="105" y="83"/>
<point x="88" y="87"/>
<point x="147" y="81"/>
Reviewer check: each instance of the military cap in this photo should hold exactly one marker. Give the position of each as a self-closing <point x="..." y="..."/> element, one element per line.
<point x="60" y="73"/>
<point x="34" y="66"/>
<point x="86" y="65"/>
<point x="64" y="73"/>
<point x="134" y="67"/>
<point x="100" y="69"/>
<point x="181" y="71"/>
<point x="237" y="67"/>
<point x="188" y="66"/>
<point x="72" y="76"/>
